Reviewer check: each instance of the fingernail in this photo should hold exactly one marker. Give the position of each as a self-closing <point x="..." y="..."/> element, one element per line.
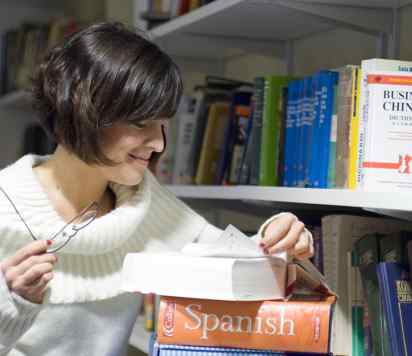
<point x="265" y="251"/>
<point x="261" y="244"/>
<point x="49" y="242"/>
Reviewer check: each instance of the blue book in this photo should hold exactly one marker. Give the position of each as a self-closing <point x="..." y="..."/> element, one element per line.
<point x="291" y="108"/>
<point x="309" y="132"/>
<point x="305" y="121"/>
<point x="183" y="350"/>
<point x="328" y="81"/>
<point x="396" y="292"/>
<point x="314" y="148"/>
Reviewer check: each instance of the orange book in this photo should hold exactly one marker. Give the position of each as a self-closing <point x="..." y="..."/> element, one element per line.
<point x="295" y="325"/>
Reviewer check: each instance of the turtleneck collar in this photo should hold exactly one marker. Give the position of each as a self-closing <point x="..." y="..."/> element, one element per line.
<point x="104" y="234"/>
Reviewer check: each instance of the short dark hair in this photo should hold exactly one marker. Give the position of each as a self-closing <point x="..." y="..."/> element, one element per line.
<point x="100" y="75"/>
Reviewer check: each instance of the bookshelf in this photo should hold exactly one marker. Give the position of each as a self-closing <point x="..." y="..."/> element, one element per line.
<point x="223" y="28"/>
<point x="226" y="29"/>
<point x="387" y="203"/>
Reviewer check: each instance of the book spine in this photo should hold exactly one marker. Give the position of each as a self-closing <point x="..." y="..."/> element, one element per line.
<point x="325" y="124"/>
<point x="282" y="127"/>
<point x="309" y="134"/>
<point x="267" y="144"/>
<point x="305" y="121"/>
<point x="344" y="98"/>
<point x="212" y="140"/>
<point x="354" y="128"/>
<point x="397" y="304"/>
<point x="244" y="172"/>
<point x="315" y="149"/>
<point x="331" y="181"/>
<point x="269" y="325"/>
<point x="149" y="311"/>
<point x="367" y="249"/>
<point x="269" y="148"/>
<point x="184" y="140"/>
<point x="297" y="135"/>
<point x="288" y="144"/>
<point x="257" y="130"/>
<point x="356" y="303"/>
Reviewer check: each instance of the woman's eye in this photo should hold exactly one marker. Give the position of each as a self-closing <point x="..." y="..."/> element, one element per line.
<point x="138" y="126"/>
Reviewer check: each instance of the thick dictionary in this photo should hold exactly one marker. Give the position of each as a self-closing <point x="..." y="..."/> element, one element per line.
<point x="295" y="325"/>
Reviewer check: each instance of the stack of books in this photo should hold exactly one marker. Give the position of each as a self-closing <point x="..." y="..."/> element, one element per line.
<point x="229" y="298"/>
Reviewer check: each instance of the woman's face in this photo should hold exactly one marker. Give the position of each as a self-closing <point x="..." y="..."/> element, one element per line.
<point x="132" y="147"/>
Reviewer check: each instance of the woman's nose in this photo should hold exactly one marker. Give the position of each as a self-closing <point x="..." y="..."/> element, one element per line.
<point x="157" y="138"/>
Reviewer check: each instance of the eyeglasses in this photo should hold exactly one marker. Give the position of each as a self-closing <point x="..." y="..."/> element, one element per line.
<point x="69" y="230"/>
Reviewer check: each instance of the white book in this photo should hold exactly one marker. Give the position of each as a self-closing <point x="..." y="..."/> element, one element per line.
<point x="185" y="121"/>
<point x="232" y="268"/>
<point x="367" y="66"/>
<point x="387" y="161"/>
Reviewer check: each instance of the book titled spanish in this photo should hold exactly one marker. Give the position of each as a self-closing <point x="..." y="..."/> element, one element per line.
<point x="294" y="325"/>
<point x="388" y="113"/>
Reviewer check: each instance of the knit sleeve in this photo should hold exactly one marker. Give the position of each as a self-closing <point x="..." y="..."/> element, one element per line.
<point x="16" y="316"/>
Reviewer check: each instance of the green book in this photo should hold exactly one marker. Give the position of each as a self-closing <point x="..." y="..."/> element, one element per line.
<point x="356" y="305"/>
<point x="367" y="249"/>
<point x="271" y="128"/>
<point x="393" y="247"/>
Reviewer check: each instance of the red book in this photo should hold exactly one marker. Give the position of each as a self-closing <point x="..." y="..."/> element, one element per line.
<point x="295" y="325"/>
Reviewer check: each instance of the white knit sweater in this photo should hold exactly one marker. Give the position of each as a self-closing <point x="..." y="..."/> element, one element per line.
<point x="84" y="312"/>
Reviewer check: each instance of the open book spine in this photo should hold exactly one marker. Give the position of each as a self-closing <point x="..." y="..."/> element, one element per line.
<point x="295" y="326"/>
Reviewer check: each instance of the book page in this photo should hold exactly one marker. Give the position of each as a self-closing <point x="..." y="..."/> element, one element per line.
<point x="232" y="243"/>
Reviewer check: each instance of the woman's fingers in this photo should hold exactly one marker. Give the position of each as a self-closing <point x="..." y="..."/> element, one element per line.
<point x="34" y="248"/>
<point x="288" y="241"/>
<point x="35" y="260"/>
<point x="278" y="229"/>
<point x="23" y="283"/>
<point x="29" y="270"/>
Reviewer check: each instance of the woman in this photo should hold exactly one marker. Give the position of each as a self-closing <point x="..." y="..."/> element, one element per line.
<point x="105" y="96"/>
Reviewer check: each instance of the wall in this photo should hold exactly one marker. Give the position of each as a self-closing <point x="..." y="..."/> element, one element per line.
<point x="313" y="53"/>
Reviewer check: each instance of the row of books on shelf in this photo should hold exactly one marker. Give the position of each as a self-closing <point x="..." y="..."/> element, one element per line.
<point x="22" y="48"/>
<point x="344" y="128"/>
<point x="160" y="11"/>
<point x="364" y="260"/>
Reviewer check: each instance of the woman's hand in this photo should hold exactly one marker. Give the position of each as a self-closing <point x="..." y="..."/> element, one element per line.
<point x="286" y="232"/>
<point x="29" y="270"/>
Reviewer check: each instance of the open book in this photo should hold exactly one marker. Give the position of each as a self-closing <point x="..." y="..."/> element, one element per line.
<point x="232" y="268"/>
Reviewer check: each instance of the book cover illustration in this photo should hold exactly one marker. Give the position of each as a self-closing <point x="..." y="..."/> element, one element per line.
<point x="387" y="161"/>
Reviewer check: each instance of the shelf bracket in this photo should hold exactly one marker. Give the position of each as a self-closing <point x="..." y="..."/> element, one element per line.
<point x="290" y="57"/>
<point x="382" y="45"/>
<point x="395" y="35"/>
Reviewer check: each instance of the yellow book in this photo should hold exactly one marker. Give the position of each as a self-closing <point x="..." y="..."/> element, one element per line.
<point x="213" y="140"/>
<point x="194" y="4"/>
<point x="354" y="129"/>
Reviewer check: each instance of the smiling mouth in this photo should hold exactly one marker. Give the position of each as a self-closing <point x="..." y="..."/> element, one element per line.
<point x="138" y="158"/>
